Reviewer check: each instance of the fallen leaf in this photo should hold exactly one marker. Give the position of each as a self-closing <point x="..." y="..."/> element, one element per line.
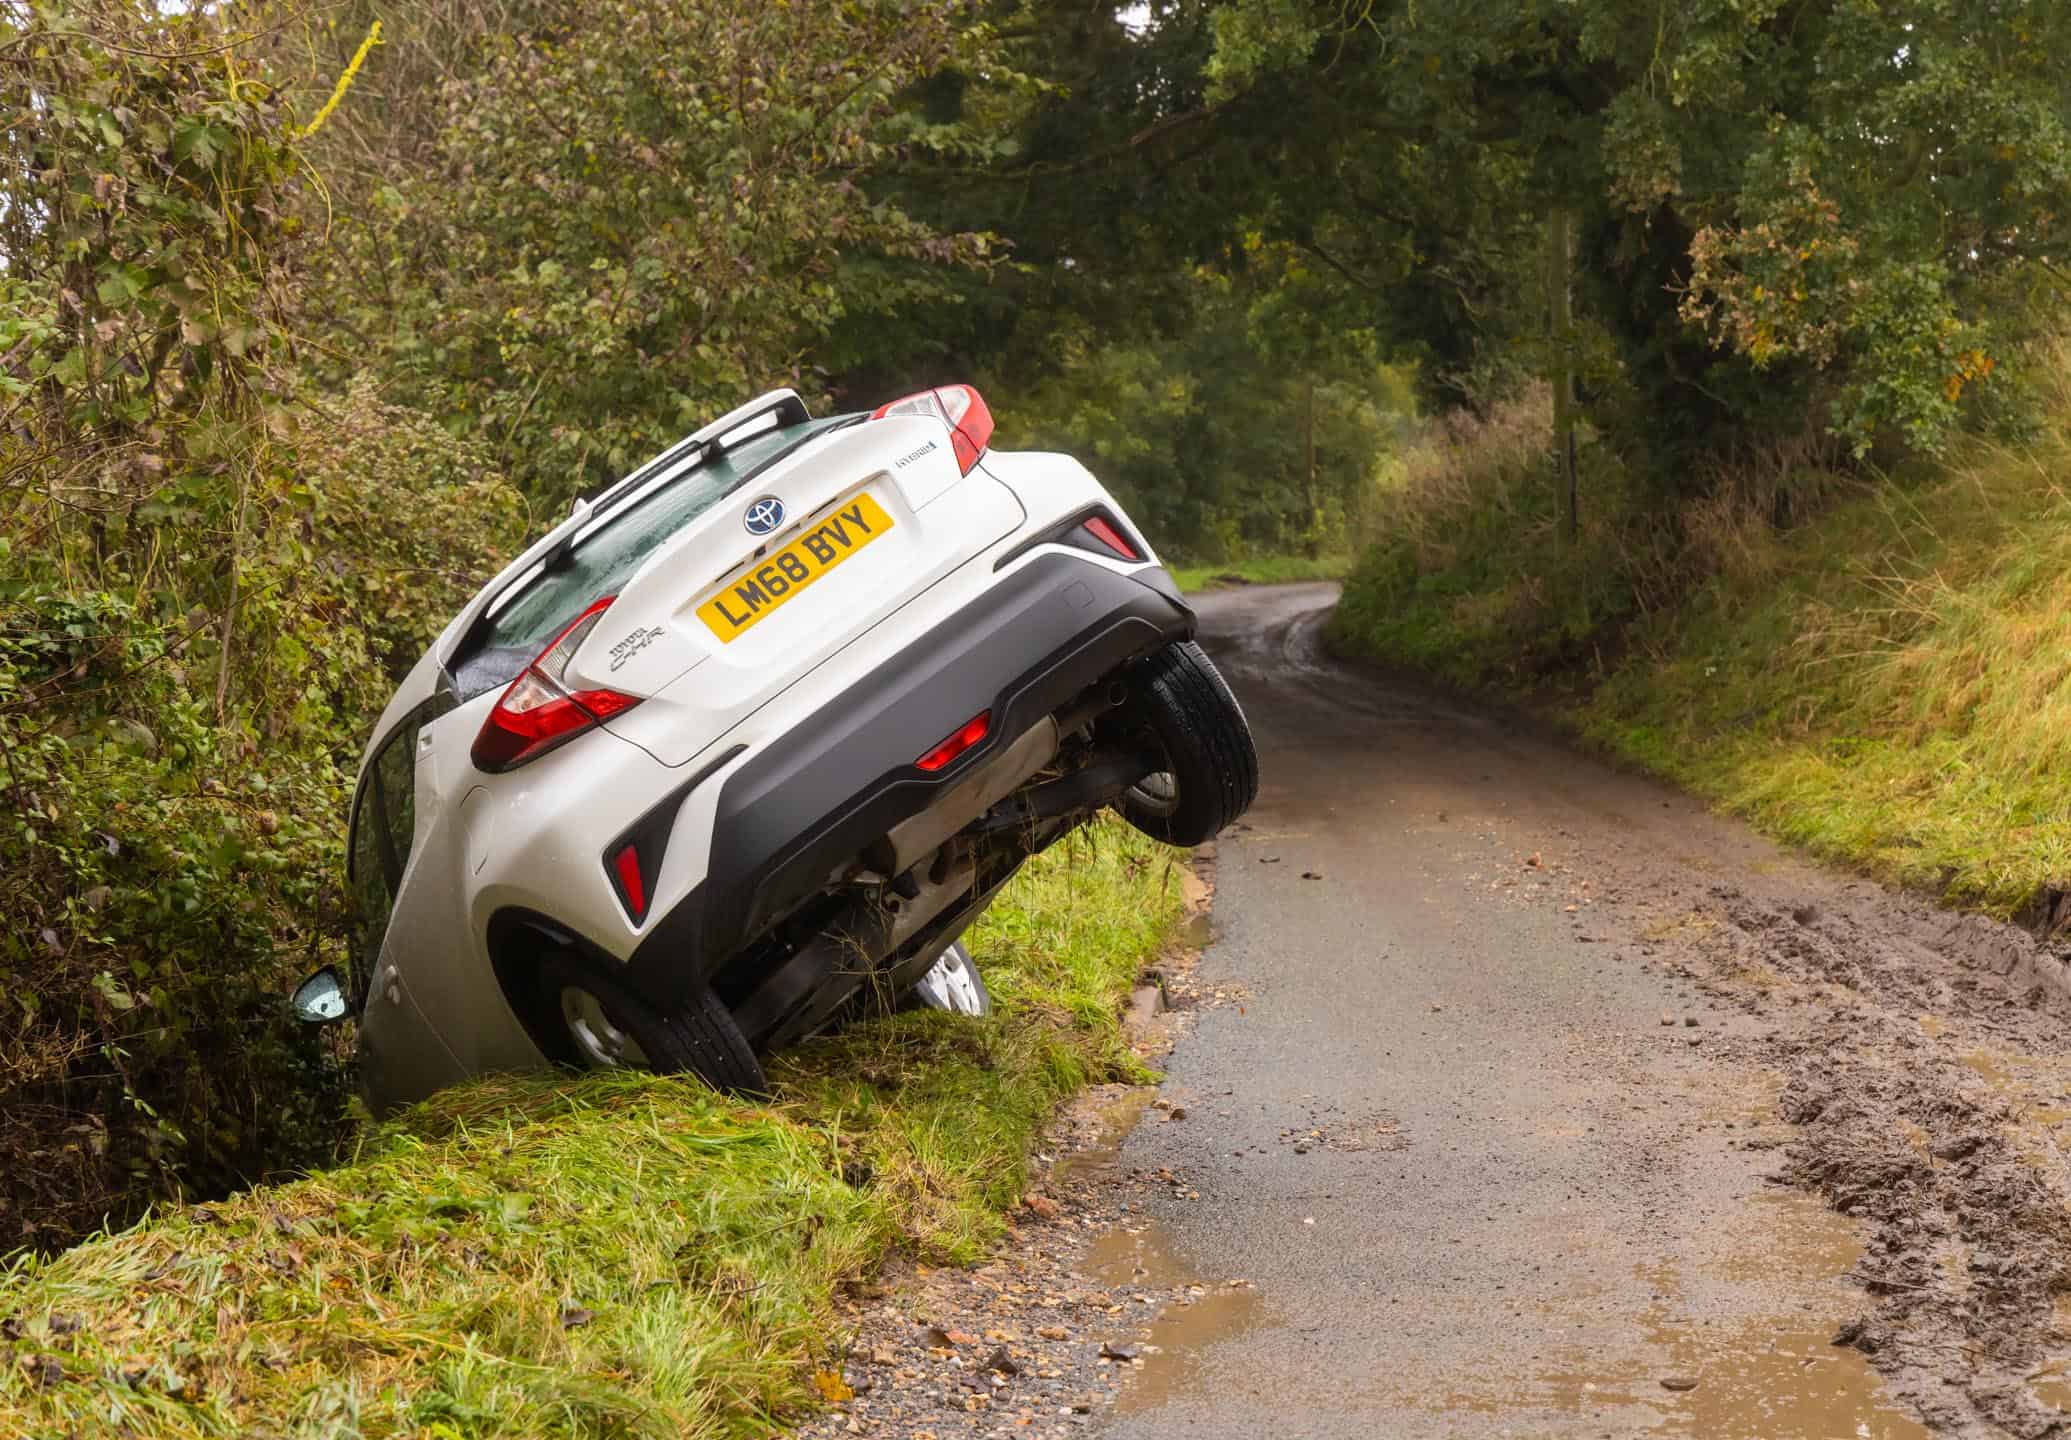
<point x="1312" y="874"/>
<point x="833" y="1389"/>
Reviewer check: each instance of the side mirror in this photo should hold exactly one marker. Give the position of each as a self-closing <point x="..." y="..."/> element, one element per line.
<point x="321" y="999"/>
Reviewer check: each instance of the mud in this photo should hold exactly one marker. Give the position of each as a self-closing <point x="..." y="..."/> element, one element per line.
<point x="1929" y="1077"/>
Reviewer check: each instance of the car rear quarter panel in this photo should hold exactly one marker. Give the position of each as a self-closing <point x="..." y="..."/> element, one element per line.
<point x="1052" y="486"/>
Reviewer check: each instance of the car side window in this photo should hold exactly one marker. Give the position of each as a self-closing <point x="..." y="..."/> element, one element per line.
<point x="384" y="820"/>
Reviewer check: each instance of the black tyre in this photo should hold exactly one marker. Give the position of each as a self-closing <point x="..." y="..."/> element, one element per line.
<point x="1210" y="774"/>
<point x="604" y="1025"/>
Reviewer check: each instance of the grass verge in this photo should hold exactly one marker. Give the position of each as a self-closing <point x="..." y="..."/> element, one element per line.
<point x="1888" y="684"/>
<point x="623" y="1255"/>
<point x="1262" y="570"/>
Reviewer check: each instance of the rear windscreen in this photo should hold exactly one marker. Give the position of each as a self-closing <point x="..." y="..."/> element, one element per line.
<point x="606" y="556"/>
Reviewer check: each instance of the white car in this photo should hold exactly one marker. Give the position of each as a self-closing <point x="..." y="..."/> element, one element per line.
<point x="752" y="737"/>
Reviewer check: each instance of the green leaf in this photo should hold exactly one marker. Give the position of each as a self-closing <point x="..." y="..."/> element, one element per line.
<point x="110" y="989"/>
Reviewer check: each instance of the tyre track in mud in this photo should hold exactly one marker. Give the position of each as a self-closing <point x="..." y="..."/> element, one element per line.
<point x="1930" y="1079"/>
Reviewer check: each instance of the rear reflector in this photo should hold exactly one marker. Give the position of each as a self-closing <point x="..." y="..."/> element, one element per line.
<point x="632" y="889"/>
<point x="1098" y="527"/>
<point x="972" y="732"/>
<point x="959" y="407"/>
<point x="537" y="713"/>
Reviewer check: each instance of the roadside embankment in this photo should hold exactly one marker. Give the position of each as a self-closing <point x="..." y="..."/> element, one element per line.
<point x="1884" y="682"/>
<point x="1262" y="570"/>
<point x="625" y="1255"/>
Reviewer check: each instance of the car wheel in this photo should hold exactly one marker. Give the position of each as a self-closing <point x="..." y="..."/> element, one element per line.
<point x="1209" y="767"/>
<point x="952" y="983"/>
<point x="606" y="1026"/>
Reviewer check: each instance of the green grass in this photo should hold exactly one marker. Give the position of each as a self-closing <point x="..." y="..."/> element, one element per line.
<point x="1262" y="570"/>
<point x="1888" y="685"/>
<point x="623" y="1255"/>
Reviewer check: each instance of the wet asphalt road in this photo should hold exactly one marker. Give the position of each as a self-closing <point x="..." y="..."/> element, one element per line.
<point x="1449" y="1124"/>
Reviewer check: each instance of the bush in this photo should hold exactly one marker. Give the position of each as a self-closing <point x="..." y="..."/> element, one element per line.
<point x="1470" y="574"/>
<point x="180" y="779"/>
<point x="209" y="574"/>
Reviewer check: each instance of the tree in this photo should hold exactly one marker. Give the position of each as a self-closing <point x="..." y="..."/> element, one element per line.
<point x="207" y="574"/>
<point x="622" y="218"/>
<point x="1782" y="206"/>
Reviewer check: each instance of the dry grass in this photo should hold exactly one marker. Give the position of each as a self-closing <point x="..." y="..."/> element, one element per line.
<point x="1460" y="465"/>
<point x="614" y="1256"/>
<point x="1468" y="571"/>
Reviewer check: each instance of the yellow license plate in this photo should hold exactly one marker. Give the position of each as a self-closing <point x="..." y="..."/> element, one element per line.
<point x="741" y="606"/>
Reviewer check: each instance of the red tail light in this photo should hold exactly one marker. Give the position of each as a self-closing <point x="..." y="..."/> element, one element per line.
<point x="631" y="885"/>
<point x="1098" y="527"/>
<point x="538" y="712"/>
<point x="959" y="407"/>
<point x="970" y="734"/>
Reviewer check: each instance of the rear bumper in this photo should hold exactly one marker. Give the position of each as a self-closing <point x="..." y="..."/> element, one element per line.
<point x="811" y="800"/>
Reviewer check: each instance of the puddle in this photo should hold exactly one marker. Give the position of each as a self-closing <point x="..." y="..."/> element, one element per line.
<point x="1773" y="1378"/>
<point x="1751" y="1325"/>
<point x="1191" y="1314"/>
<point x="1759" y="1383"/>
<point x="1175" y="1352"/>
<point x="2052" y="1385"/>
<point x="1103" y="1153"/>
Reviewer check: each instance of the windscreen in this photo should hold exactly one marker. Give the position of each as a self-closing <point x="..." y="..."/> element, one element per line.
<point x="605" y="558"/>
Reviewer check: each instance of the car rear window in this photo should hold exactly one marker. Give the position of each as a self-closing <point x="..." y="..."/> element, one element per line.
<point x="604" y="557"/>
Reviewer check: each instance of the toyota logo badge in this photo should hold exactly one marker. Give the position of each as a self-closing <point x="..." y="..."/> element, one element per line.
<point x="764" y="515"/>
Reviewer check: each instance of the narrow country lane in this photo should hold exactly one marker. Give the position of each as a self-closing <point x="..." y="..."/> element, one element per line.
<point x="1531" y="1089"/>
